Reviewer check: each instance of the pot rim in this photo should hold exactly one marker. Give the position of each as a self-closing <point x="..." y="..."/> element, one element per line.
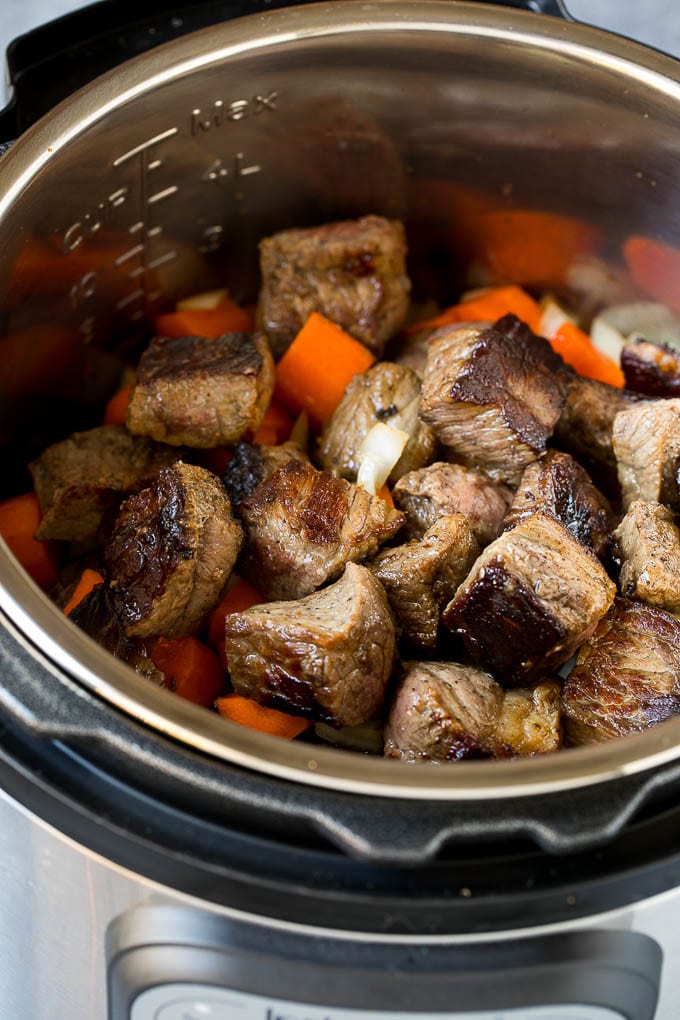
<point x="48" y="630"/>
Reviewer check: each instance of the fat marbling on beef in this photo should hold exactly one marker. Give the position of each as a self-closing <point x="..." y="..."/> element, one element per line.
<point x="420" y="577"/>
<point x="81" y="480"/>
<point x="328" y="655"/>
<point x="386" y="393"/>
<point x="647" y="446"/>
<point x="557" y="485"/>
<point x="442" y="489"/>
<point x="494" y="396"/>
<point x="530" y="600"/>
<point x="353" y="272"/>
<point x="201" y="392"/>
<point x="443" y="711"/>
<point x="626" y="677"/>
<point x="171" y="552"/>
<point x="303" y="526"/>
<point x="649" y="545"/>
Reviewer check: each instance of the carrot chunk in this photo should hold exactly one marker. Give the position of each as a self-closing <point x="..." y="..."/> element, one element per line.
<point x="19" y="519"/>
<point x="238" y="597"/>
<point x="385" y="494"/>
<point x="246" y="712"/>
<point x="275" y="427"/>
<point x="493" y="304"/>
<point x="116" y="409"/>
<point x="655" y="268"/>
<point x="89" y="579"/>
<point x="577" y="349"/>
<point x="313" y="373"/>
<point x="227" y="317"/>
<point x="192" y="670"/>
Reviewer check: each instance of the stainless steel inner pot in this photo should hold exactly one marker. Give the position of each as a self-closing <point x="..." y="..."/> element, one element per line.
<point x="160" y="178"/>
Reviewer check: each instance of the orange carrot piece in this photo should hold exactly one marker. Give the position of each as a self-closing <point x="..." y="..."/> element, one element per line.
<point x="89" y="579"/>
<point x="246" y="712"/>
<point x="19" y="519"/>
<point x="532" y="248"/>
<point x="192" y="670"/>
<point x="578" y="350"/>
<point x="313" y="373"/>
<point x="385" y="494"/>
<point x="116" y="409"/>
<point x="493" y="304"/>
<point x="238" y="597"/>
<point x="275" y="427"/>
<point x="227" y="317"/>
<point x="655" y="268"/>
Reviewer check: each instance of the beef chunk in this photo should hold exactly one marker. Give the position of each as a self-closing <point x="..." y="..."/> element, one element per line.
<point x="627" y="676"/>
<point x="81" y="480"/>
<point x="386" y="393"/>
<point x="422" y="576"/>
<point x="328" y="656"/>
<point x="558" y="486"/>
<point x="530" y="600"/>
<point x="585" y="427"/>
<point x="442" y="489"/>
<point x="649" y="543"/>
<point x="647" y="447"/>
<point x="202" y="392"/>
<point x="171" y="552"/>
<point x="493" y="398"/>
<point x="446" y="712"/>
<point x="254" y="463"/>
<point x="353" y="272"/>
<point x="304" y="525"/>
<point x="652" y="369"/>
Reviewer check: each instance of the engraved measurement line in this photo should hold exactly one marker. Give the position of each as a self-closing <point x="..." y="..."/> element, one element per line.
<point x="162" y="259"/>
<point x="144" y="145"/>
<point x="130" y="298"/>
<point x="160" y="195"/>
<point x="127" y="255"/>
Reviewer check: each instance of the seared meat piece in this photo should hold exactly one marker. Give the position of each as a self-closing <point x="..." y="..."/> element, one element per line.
<point x="421" y="577"/>
<point x="652" y="369"/>
<point x="353" y="272"/>
<point x="253" y="463"/>
<point x="442" y="489"/>
<point x="95" y="614"/>
<point x="202" y="392"/>
<point x="410" y="349"/>
<point x="557" y="485"/>
<point x="328" y="656"/>
<point x="81" y="480"/>
<point x="627" y="676"/>
<point x="530" y="600"/>
<point x="494" y="397"/>
<point x="649" y="543"/>
<point x="585" y="427"/>
<point x="385" y="393"/>
<point x="646" y="441"/>
<point x="304" y="525"/>
<point x="171" y="552"/>
<point x="446" y="712"/>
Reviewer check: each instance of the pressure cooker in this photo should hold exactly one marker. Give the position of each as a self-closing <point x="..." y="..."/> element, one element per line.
<point x="158" y="862"/>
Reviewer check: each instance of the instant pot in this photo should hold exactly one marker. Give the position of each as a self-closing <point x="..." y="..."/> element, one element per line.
<point x="156" y="861"/>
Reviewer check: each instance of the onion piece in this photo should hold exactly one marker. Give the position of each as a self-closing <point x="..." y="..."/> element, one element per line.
<point x="300" y="431"/>
<point x="207" y="300"/>
<point x="553" y="316"/>
<point x="379" y="452"/>
<point x="367" y="737"/>
<point x="650" y="320"/>
<point x="607" y="338"/>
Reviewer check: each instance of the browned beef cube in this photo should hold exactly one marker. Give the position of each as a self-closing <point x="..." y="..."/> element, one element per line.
<point x="202" y="392"/>
<point x="81" y="480"/>
<point x="304" y="525"/>
<point x="627" y="676"/>
<point x="446" y="712"/>
<point x="652" y="369"/>
<point x="585" y="427"/>
<point x="353" y="272"/>
<point x="171" y="552"/>
<point x="328" y="656"/>
<point x="493" y="398"/>
<point x="530" y="600"/>
<point x="647" y="447"/>
<point x="442" y="489"/>
<point x="410" y="349"/>
<point x="253" y="463"/>
<point x="649" y="544"/>
<point x="557" y="485"/>
<point x="386" y="393"/>
<point x="422" y="576"/>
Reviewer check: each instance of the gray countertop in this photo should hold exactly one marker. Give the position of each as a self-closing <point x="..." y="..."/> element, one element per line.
<point x="655" y="22"/>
